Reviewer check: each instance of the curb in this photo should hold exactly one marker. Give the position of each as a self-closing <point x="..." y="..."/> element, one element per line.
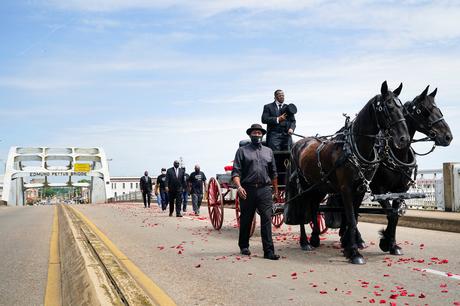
<point x="428" y="223"/>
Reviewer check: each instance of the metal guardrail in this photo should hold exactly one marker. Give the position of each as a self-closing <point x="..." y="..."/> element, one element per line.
<point x="134" y="196"/>
<point x="429" y="182"/>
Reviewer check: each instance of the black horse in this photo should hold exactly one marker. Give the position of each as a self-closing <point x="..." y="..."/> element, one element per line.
<point x="395" y="172"/>
<point x="344" y="164"/>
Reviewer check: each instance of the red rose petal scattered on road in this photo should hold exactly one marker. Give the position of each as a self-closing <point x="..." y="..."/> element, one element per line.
<point x="393" y="296"/>
<point x="449" y="274"/>
<point x="386" y="275"/>
<point x="294" y="274"/>
<point x="457" y="303"/>
<point x="372" y="301"/>
<point x="198" y="266"/>
<point x="323" y="292"/>
<point x="443" y="285"/>
<point x="179" y="252"/>
<point x="422" y="295"/>
<point x="382" y="302"/>
<point x="392" y="303"/>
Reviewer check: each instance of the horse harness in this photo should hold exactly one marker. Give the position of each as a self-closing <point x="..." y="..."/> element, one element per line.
<point x="366" y="169"/>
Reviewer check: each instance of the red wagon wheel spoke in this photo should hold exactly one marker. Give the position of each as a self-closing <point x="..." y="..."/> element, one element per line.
<point x="238" y="217"/>
<point x="215" y="204"/>
<point x="278" y="219"/>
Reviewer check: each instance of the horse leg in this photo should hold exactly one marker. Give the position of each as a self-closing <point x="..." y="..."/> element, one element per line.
<point x="388" y="240"/>
<point x="304" y="244"/>
<point x="350" y="246"/>
<point x="314" y="239"/>
<point x="359" y="239"/>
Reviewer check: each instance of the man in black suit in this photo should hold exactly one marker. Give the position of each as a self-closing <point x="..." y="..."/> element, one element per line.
<point x="146" y="189"/>
<point x="174" y="186"/>
<point x="280" y="123"/>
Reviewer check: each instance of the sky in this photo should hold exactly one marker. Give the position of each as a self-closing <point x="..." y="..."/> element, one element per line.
<point x="153" y="81"/>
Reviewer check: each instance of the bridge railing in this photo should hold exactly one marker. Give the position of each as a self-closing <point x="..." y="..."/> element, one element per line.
<point x="429" y="182"/>
<point x="134" y="196"/>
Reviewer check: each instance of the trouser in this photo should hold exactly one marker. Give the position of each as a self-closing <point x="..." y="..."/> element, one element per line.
<point x="184" y="200"/>
<point x="175" y="198"/>
<point x="164" y="199"/>
<point x="196" y="202"/>
<point x="259" y="198"/>
<point x="278" y="141"/>
<point x="146" y="197"/>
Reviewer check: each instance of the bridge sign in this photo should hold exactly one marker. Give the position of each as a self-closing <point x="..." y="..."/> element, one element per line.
<point x="82" y="167"/>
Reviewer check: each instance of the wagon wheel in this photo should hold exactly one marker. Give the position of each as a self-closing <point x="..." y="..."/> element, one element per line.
<point x="278" y="219"/>
<point x="321" y="221"/>
<point x="215" y="204"/>
<point x="238" y="213"/>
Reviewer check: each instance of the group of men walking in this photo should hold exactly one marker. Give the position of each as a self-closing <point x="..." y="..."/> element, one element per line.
<point x="173" y="186"/>
<point x="254" y="174"/>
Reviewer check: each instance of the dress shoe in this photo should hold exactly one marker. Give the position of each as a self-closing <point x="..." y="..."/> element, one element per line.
<point x="272" y="256"/>
<point x="170" y="214"/>
<point x="179" y="216"/>
<point x="245" y="251"/>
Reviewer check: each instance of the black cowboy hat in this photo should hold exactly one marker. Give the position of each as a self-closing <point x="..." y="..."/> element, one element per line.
<point x="256" y="126"/>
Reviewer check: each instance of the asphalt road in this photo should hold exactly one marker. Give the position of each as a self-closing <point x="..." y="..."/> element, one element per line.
<point x="24" y="251"/>
<point x="197" y="265"/>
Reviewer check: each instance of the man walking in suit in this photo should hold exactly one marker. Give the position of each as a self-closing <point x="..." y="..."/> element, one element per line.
<point x="146" y="189"/>
<point x="174" y="184"/>
<point x="280" y="123"/>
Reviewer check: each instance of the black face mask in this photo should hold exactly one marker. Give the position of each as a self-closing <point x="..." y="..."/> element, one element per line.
<point x="256" y="140"/>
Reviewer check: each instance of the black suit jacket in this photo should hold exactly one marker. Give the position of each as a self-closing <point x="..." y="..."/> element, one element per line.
<point x="173" y="182"/>
<point x="269" y="116"/>
<point x="146" y="185"/>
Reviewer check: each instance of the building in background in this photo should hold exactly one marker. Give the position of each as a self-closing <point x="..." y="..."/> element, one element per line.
<point x="125" y="184"/>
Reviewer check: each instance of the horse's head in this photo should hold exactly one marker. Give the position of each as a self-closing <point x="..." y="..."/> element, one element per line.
<point x="427" y="118"/>
<point x="390" y="117"/>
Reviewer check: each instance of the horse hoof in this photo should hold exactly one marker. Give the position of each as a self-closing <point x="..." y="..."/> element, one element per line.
<point x="358" y="260"/>
<point x="307" y="247"/>
<point x="315" y="241"/>
<point x="384" y="245"/>
<point x="396" y="251"/>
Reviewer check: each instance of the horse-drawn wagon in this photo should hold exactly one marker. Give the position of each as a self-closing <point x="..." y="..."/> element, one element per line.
<point x="370" y="153"/>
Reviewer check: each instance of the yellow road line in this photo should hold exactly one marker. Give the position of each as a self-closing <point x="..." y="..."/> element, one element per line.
<point x="53" y="285"/>
<point x="152" y="289"/>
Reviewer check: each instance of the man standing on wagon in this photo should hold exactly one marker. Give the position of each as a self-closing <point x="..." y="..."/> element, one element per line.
<point x="280" y="123"/>
<point x="254" y="171"/>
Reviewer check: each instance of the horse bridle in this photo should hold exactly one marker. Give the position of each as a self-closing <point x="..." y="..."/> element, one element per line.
<point x="416" y="110"/>
<point x="379" y="109"/>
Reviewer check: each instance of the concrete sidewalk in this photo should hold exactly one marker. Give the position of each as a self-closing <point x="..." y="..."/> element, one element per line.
<point x="425" y="219"/>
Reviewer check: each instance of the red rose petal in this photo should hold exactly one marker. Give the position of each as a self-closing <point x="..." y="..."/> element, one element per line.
<point x="393" y="296"/>
<point x="323" y="292"/>
<point x="422" y="295"/>
<point x="372" y="301"/>
<point x="443" y="285"/>
<point x="198" y="266"/>
<point x="294" y="274"/>
<point x="386" y="275"/>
